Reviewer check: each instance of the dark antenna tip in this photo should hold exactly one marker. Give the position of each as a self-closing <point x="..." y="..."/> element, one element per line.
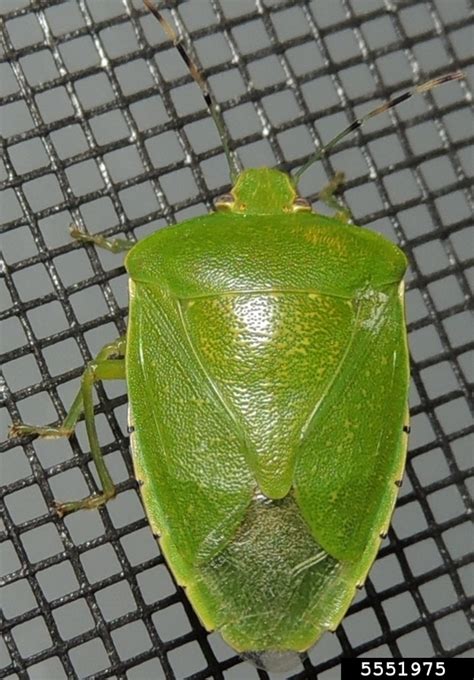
<point x="382" y="108"/>
<point x="200" y="80"/>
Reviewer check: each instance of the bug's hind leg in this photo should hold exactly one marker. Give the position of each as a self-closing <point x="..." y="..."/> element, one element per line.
<point x="108" y="365"/>
<point x="328" y="196"/>
<point x="115" y="245"/>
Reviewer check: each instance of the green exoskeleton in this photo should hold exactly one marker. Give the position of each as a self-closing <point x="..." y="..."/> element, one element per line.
<point x="267" y="368"/>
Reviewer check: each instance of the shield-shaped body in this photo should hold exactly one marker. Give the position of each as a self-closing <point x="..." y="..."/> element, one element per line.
<point x="267" y="368"/>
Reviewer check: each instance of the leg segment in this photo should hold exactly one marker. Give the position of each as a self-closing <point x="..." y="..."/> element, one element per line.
<point x="328" y="196"/>
<point x="116" y="245"/>
<point x="108" y="365"/>
<point x="105" y="369"/>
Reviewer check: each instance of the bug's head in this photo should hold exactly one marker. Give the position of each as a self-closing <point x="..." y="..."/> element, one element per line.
<point x="262" y="191"/>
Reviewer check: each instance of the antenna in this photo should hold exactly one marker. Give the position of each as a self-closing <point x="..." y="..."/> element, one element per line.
<point x="201" y="81"/>
<point x="382" y="108"/>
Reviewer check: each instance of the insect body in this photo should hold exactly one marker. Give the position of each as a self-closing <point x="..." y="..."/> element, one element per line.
<point x="267" y="368"/>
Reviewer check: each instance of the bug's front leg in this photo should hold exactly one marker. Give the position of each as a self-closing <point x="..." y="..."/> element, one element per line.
<point x="108" y="365"/>
<point x="328" y="196"/>
<point x="115" y="245"/>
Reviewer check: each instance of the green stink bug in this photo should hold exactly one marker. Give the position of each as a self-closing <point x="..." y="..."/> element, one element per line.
<point x="263" y="265"/>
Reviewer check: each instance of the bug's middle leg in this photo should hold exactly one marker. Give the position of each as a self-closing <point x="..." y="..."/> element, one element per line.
<point x="109" y="364"/>
<point x="328" y="196"/>
<point x="103" y="369"/>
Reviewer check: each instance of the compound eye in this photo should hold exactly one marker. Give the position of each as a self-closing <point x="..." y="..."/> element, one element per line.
<point x="301" y="205"/>
<point x="224" y="203"/>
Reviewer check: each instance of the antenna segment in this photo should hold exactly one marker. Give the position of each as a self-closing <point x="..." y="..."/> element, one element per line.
<point x="382" y="108"/>
<point x="201" y="81"/>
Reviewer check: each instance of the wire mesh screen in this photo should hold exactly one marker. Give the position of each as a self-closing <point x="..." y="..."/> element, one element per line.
<point x="104" y="127"/>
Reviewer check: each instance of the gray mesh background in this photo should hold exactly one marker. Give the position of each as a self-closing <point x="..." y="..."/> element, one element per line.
<point x="103" y="126"/>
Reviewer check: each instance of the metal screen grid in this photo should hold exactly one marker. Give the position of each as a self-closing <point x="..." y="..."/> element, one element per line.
<point x="103" y="126"/>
